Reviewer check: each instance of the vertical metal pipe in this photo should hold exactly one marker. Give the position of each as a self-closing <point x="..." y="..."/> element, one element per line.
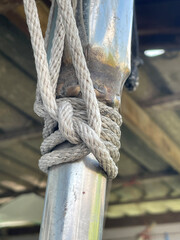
<point x="75" y="194"/>
<point x="75" y="200"/>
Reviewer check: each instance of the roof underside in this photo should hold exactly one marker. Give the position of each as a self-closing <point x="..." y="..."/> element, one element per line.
<point x="148" y="180"/>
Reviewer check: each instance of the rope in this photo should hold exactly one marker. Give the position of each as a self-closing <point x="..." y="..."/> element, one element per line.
<point x="87" y="125"/>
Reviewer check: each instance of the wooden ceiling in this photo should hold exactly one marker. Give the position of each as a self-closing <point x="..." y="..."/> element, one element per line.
<point x="148" y="180"/>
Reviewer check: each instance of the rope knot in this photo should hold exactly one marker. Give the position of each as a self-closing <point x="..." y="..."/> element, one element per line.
<point x="87" y="125"/>
<point x="72" y="126"/>
<point x="66" y="122"/>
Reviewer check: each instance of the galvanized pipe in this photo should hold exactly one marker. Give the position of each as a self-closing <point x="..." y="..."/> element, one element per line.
<point x="75" y="194"/>
<point x="75" y="200"/>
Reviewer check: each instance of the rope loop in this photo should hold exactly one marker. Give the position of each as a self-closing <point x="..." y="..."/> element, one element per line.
<point x="67" y="122"/>
<point x="72" y="127"/>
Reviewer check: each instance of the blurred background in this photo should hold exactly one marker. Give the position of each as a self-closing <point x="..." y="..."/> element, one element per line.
<point x="144" y="200"/>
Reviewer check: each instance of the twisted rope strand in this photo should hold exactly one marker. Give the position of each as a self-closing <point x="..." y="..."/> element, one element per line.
<point x="40" y="56"/>
<point x="79" y="62"/>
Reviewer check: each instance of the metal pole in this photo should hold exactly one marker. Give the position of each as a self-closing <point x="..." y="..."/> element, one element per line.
<point x="75" y="194"/>
<point x="74" y="204"/>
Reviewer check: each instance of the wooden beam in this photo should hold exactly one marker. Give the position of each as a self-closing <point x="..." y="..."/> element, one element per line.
<point x="17" y="16"/>
<point x="157" y="186"/>
<point x="12" y="183"/>
<point x="158" y="17"/>
<point x="142" y="125"/>
<point x="160" y="30"/>
<point x="8" y="5"/>
<point x="167" y="42"/>
<point x="38" y="191"/>
<point x="22" y="134"/>
<point x="141" y="201"/>
<point x="16" y="48"/>
<point x="136" y="149"/>
<point x="22" y="230"/>
<point x="158" y="26"/>
<point x="13" y="121"/>
<point x="163" y="103"/>
<point x="17" y="88"/>
<point x="128" y="166"/>
<point x="22" y="172"/>
<point x="169" y="217"/>
<point x="141" y="208"/>
<point x="152" y="178"/>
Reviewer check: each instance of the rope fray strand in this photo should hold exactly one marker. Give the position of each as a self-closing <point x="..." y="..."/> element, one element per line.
<point x="87" y="125"/>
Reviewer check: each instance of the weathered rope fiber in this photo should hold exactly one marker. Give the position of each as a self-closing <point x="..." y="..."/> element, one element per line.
<point x="87" y="125"/>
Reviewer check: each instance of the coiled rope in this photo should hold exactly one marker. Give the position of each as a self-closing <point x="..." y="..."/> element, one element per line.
<point x="87" y="125"/>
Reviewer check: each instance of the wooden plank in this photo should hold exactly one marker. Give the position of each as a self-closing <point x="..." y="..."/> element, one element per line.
<point x="151" y="82"/>
<point x="169" y="122"/>
<point x="34" y="143"/>
<point x="23" y="155"/>
<point x="167" y="67"/>
<point x="152" y="191"/>
<point x="17" y="16"/>
<point x="11" y="183"/>
<point x="25" y="135"/>
<point x="146" y="89"/>
<point x="16" y="194"/>
<point x="134" y="191"/>
<point x="150" y="22"/>
<point x="163" y="103"/>
<point x="174" y="184"/>
<point x="152" y="86"/>
<point x="143" y="200"/>
<point x="140" y="152"/>
<point x="17" y="47"/>
<point x="12" y="120"/>
<point x="152" y="185"/>
<point x="141" y="124"/>
<point x="163" y="74"/>
<point x="147" y="178"/>
<point x="141" y="208"/>
<point x="126" y="194"/>
<point x="8" y="5"/>
<point x="13" y="168"/>
<point x="169" y="217"/>
<point x="17" y="88"/>
<point x="158" y="26"/>
<point x="128" y="167"/>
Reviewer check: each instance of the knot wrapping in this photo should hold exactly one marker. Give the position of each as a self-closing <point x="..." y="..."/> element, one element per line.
<point x="87" y="126"/>
<point x="73" y="126"/>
